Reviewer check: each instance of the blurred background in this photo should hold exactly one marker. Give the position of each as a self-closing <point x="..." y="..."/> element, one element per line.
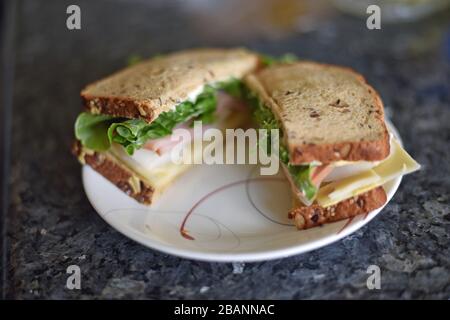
<point x="48" y="223"/>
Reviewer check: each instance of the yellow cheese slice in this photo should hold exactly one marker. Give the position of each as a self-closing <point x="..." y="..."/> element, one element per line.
<point x="400" y="160"/>
<point x="163" y="175"/>
<point x="398" y="163"/>
<point x="159" y="177"/>
<point x="347" y="185"/>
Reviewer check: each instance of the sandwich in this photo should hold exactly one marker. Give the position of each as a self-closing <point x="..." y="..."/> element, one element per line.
<point x="124" y="132"/>
<point x="334" y="148"/>
<point x="334" y="145"/>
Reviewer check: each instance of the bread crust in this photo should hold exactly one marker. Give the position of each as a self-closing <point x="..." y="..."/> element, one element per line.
<point x="118" y="107"/>
<point x="348" y="151"/>
<point x="306" y="217"/>
<point x="157" y="85"/>
<point x="119" y="175"/>
<point x="300" y="153"/>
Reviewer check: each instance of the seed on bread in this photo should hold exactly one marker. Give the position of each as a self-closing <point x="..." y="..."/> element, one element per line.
<point x="339" y="104"/>
<point x="314" y="114"/>
<point x="310" y="216"/>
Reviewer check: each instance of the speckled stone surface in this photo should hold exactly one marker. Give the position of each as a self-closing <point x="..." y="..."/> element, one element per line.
<point x="51" y="225"/>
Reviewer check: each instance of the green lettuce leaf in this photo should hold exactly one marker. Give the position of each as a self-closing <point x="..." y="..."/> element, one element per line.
<point x="302" y="178"/>
<point x="133" y="59"/>
<point x="97" y="132"/>
<point x="233" y="87"/>
<point x="265" y="119"/>
<point x="134" y="133"/>
<point x="269" y="60"/>
<point x="91" y="130"/>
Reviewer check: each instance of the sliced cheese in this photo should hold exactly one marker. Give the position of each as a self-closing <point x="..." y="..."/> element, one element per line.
<point x="399" y="160"/>
<point x="160" y="175"/>
<point x="397" y="164"/>
<point x="347" y="185"/>
<point x="344" y="169"/>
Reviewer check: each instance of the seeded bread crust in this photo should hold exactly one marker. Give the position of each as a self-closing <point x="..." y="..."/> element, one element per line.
<point x="315" y="215"/>
<point x="122" y="177"/>
<point x="328" y="113"/>
<point x="157" y="85"/>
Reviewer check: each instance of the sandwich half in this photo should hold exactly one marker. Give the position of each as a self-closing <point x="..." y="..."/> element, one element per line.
<point x="124" y="133"/>
<point x="335" y="147"/>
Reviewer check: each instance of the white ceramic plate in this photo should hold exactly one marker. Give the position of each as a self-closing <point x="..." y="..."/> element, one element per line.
<point x="235" y="215"/>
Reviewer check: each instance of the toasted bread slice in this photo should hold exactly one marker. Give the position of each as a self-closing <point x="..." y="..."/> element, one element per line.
<point x="157" y="85"/>
<point x="328" y="113"/>
<point x="315" y="215"/>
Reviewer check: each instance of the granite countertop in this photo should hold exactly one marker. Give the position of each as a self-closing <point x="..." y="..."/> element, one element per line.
<point x="51" y="225"/>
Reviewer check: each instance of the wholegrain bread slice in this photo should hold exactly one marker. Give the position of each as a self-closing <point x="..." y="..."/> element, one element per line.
<point x="157" y="85"/>
<point x="116" y="172"/>
<point x="328" y="113"/>
<point x="306" y="217"/>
